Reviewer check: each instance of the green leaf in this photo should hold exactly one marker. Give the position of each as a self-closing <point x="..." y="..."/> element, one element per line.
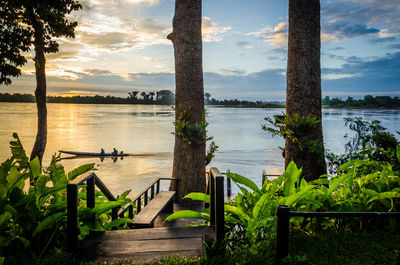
<point x="292" y="199"/>
<point x="48" y="222"/>
<point x="260" y="204"/>
<point x="13" y="177"/>
<point x="244" y="181"/>
<point x="80" y="170"/>
<point x="198" y="196"/>
<point x="34" y="165"/>
<point x="236" y="211"/>
<point x="292" y="176"/>
<point x="104" y="207"/>
<point x="336" y="182"/>
<point x="4" y="218"/>
<point x="184" y="214"/>
<point x="118" y="222"/>
<point x="123" y="195"/>
<point x="398" y="152"/>
<point x="2" y="260"/>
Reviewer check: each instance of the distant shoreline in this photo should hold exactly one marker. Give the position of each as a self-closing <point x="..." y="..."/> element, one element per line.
<point x="213" y="106"/>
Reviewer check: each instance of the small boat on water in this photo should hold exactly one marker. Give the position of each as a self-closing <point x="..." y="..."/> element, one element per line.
<point x="90" y="154"/>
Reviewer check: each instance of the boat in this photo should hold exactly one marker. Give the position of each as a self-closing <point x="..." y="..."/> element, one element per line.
<point x="90" y="154"/>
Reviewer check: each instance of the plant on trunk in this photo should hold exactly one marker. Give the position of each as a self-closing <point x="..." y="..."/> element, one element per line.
<point x="303" y="92"/>
<point x="189" y="159"/>
<point x="34" y="23"/>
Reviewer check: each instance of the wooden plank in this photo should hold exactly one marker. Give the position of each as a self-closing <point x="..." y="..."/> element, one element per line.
<point x="148" y="257"/>
<point x="155" y="207"/>
<point x="145" y="246"/>
<point x="157" y="233"/>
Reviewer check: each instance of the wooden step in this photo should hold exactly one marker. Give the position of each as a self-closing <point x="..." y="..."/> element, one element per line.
<point x="162" y="201"/>
<point x="145" y="245"/>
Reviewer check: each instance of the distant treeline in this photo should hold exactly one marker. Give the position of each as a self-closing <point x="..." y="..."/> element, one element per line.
<point x="162" y="97"/>
<point x="367" y="102"/>
<point x="166" y="97"/>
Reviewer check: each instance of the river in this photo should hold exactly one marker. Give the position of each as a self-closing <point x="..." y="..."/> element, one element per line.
<point x="145" y="130"/>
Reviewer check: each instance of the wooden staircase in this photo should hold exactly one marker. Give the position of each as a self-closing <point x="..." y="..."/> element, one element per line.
<point x="150" y="242"/>
<point x="145" y="245"/>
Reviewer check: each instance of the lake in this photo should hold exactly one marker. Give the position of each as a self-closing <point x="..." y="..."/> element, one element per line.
<point x="145" y="130"/>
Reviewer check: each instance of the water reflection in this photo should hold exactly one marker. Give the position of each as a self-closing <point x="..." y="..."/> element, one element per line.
<point x="145" y="132"/>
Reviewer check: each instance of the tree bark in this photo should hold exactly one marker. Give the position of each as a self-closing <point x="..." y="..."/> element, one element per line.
<point x="40" y="92"/>
<point x="189" y="156"/>
<point x="303" y="93"/>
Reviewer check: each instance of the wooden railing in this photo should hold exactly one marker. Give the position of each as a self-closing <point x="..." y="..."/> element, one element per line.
<point x="283" y="217"/>
<point x="216" y="191"/>
<point x="93" y="180"/>
<point x="153" y="187"/>
<point x="72" y="204"/>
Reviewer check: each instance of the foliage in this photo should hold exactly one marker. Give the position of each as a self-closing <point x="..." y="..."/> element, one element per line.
<point x="371" y="140"/>
<point x="193" y="134"/>
<point x="367" y="102"/>
<point x="296" y="128"/>
<point x="33" y="218"/>
<point x="25" y="23"/>
<point x="363" y="185"/>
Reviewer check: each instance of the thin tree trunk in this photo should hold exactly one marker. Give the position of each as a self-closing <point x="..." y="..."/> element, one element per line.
<point x="189" y="157"/>
<point x="303" y="94"/>
<point x="40" y="92"/>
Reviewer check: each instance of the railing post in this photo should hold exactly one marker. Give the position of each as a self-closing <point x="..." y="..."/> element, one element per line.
<point x="139" y="204"/>
<point x="282" y="233"/>
<point x="263" y="177"/>
<point x="145" y="198"/>
<point x="219" y="208"/>
<point x="152" y="192"/>
<point x="228" y="184"/>
<point x="212" y="197"/>
<point x="90" y="193"/>
<point x="72" y="217"/>
<point x="158" y="187"/>
<point x="130" y="213"/>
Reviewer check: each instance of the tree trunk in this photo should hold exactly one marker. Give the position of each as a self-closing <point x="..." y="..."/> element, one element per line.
<point x="40" y="92"/>
<point x="189" y="156"/>
<point x="303" y="94"/>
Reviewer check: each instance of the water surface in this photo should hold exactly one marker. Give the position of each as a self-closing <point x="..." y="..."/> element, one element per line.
<point x="145" y="130"/>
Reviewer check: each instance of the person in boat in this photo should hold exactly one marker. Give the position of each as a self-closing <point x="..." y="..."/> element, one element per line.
<point x="115" y="152"/>
<point x="102" y="152"/>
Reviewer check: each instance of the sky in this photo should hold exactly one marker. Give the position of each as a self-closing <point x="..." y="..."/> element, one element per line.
<point x="120" y="46"/>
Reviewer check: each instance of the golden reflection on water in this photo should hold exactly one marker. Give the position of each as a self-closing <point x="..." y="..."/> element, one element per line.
<point x="146" y="132"/>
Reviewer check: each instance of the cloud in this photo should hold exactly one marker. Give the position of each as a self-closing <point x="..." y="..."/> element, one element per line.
<point x="373" y="19"/>
<point x="277" y="37"/>
<point x="211" y="31"/>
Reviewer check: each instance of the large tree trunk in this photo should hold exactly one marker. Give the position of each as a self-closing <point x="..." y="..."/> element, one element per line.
<point x="303" y="94"/>
<point x="189" y="156"/>
<point x="40" y="92"/>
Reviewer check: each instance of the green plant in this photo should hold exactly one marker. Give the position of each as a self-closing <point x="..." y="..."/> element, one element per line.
<point x="371" y="140"/>
<point x="33" y="217"/>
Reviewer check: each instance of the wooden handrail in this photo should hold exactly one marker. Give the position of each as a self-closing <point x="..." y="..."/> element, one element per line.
<point x="283" y="215"/>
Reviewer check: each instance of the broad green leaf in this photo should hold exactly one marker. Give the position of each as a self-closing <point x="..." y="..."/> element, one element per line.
<point x="236" y="211"/>
<point x="10" y="209"/>
<point x="80" y="170"/>
<point x="104" y="207"/>
<point x="260" y="204"/>
<point x="58" y="187"/>
<point x="34" y="165"/>
<point x="244" y="181"/>
<point x="198" y="196"/>
<point x="4" y="218"/>
<point x="123" y="195"/>
<point x="292" y="199"/>
<point x="2" y="260"/>
<point x="370" y="193"/>
<point x="48" y="222"/>
<point x="320" y="181"/>
<point x="13" y="177"/>
<point x="398" y="152"/>
<point x="184" y="214"/>
<point x="118" y="222"/>
<point x="292" y="176"/>
<point x="24" y="241"/>
<point x="336" y="182"/>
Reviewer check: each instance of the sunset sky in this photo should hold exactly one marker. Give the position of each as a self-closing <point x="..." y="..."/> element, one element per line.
<point x="121" y="46"/>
